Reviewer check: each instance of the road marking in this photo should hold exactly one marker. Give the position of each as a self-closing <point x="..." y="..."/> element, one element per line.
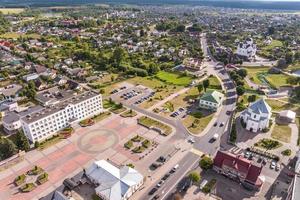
<point x="197" y="152"/>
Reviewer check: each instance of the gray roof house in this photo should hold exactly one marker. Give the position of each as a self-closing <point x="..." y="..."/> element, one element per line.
<point x="257" y="116"/>
<point x="112" y="183"/>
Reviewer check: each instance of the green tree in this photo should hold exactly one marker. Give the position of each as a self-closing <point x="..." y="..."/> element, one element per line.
<point x="118" y="55"/>
<point x="195" y="176"/>
<point x="289" y="57"/>
<point x="7" y="148"/>
<point x="206" y="84"/>
<point x="206" y="163"/>
<point x="36" y="144"/>
<point x="252" y="98"/>
<point x="240" y="90"/>
<point x="200" y="88"/>
<point x="21" y="141"/>
<point x="242" y="73"/>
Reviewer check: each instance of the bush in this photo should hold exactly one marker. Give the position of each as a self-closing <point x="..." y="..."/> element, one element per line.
<point x="209" y="186"/>
<point x="233" y="136"/>
<point x="130" y="165"/>
<point x="195" y="176"/>
<point x="286" y="152"/>
<point x="28" y="187"/>
<point x="206" y="163"/>
<point x="35" y="171"/>
<point x="268" y="144"/>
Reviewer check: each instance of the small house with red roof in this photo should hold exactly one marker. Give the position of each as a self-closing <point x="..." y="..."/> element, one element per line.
<point x="238" y="168"/>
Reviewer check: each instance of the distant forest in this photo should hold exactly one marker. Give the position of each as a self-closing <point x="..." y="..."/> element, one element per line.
<point x="216" y="3"/>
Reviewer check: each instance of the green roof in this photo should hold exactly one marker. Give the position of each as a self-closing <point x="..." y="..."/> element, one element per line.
<point x="212" y="96"/>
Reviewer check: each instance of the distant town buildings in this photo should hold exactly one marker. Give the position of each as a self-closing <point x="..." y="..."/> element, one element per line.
<point x="211" y="100"/>
<point x="257" y="116"/>
<point x="112" y="183"/>
<point x="247" y="48"/>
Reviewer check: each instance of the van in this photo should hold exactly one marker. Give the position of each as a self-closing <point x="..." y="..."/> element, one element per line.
<point x="175" y="168"/>
<point x="204" y="182"/>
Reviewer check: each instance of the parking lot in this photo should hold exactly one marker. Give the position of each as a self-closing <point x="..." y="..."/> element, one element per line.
<point x="131" y="94"/>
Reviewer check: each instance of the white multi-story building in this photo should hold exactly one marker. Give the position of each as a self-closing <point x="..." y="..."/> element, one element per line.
<point x="257" y="116"/>
<point x="247" y="48"/>
<point x="65" y="109"/>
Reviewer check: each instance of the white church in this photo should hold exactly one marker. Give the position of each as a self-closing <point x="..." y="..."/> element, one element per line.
<point x="247" y="48"/>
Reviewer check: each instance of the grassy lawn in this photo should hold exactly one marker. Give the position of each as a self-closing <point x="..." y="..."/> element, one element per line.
<point x="7" y="11"/>
<point x="282" y="133"/>
<point x="277" y="80"/>
<point x="49" y="142"/>
<point x="254" y="71"/>
<point x="13" y="35"/>
<point x="101" y="116"/>
<point x="150" y="123"/>
<point x="278" y="105"/>
<point x="214" y="83"/>
<point x="174" y="78"/>
<point x="129" y="113"/>
<point x="117" y="110"/>
<point x="274" y="43"/>
<point x="196" y="125"/>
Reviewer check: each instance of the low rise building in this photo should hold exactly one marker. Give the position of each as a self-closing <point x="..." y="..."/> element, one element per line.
<point x="211" y="100"/>
<point x="60" y="109"/>
<point x="257" y="116"/>
<point x="240" y="169"/>
<point x="113" y="183"/>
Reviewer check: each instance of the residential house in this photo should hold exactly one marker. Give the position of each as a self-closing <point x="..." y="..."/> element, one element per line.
<point x="257" y="116"/>
<point x="11" y="91"/>
<point x="238" y="168"/>
<point x="211" y="100"/>
<point x="30" y="77"/>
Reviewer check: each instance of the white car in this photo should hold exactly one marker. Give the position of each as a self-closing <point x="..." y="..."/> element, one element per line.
<point x="273" y="165"/>
<point x="216" y="136"/>
<point x="191" y="140"/>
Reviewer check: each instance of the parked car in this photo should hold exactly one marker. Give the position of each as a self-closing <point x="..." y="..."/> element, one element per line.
<point x="216" y="123"/>
<point x="155" y="197"/>
<point x="152" y="191"/>
<point x="277" y="167"/>
<point x="165" y="177"/>
<point x="215" y="136"/>
<point x="191" y="140"/>
<point x="222" y="124"/>
<point x="174" y="168"/>
<point x="273" y="165"/>
<point x="160" y="183"/>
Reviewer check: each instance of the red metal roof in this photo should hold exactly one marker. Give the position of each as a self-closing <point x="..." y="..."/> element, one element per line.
<point x="240" y="164"/>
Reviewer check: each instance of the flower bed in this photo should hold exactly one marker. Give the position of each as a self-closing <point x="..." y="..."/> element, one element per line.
<point x="209" y="186"/>
<point x="129" y="113"/>
<point x="128" y="144"/>
<point x="66" y="132"/>
<point x="28" y="187"/>
<point x="268" y="144"/>
<point x="139" y="149"/>
<point x="35" y="171"/>
<point x="42" y="178"/>
<point x="86" y="122"/>
<point x="19" y="180"/>
<point x="150" y="123"/>
<point x="137" y="138"/>
<point x="146" y="143"/>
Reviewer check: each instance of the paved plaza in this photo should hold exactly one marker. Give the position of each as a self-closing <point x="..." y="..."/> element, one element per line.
<point x="104" y="140"/>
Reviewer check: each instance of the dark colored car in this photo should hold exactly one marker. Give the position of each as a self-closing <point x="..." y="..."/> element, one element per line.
<point x="152" y="191"/>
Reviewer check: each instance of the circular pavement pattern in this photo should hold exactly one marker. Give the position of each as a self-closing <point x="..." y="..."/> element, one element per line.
<point x="97" y="141"/>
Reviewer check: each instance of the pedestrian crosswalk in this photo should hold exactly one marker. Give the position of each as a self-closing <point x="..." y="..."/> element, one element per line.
<point x="197" y="152"/>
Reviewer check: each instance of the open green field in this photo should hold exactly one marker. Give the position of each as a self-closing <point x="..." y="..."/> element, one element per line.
<point x="214" y="83"/>
<point x="254" y="71"/>
<point x="196" y="126"/>
<point x="277" y="80"/>
<point x="7" y="11"/>
<point x="282" y="133"/>
<point x="13" y="35"/>
<point x="279" y="105"/>
<point x="274" y="43"/>
<point x="174" y="78"/>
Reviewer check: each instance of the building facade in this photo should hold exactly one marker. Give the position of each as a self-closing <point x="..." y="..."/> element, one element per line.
<point x="239" y="169"/>
<point x="41" y="125"/>
<point x="211" y="100"/>
<point x="257" y="116"/>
